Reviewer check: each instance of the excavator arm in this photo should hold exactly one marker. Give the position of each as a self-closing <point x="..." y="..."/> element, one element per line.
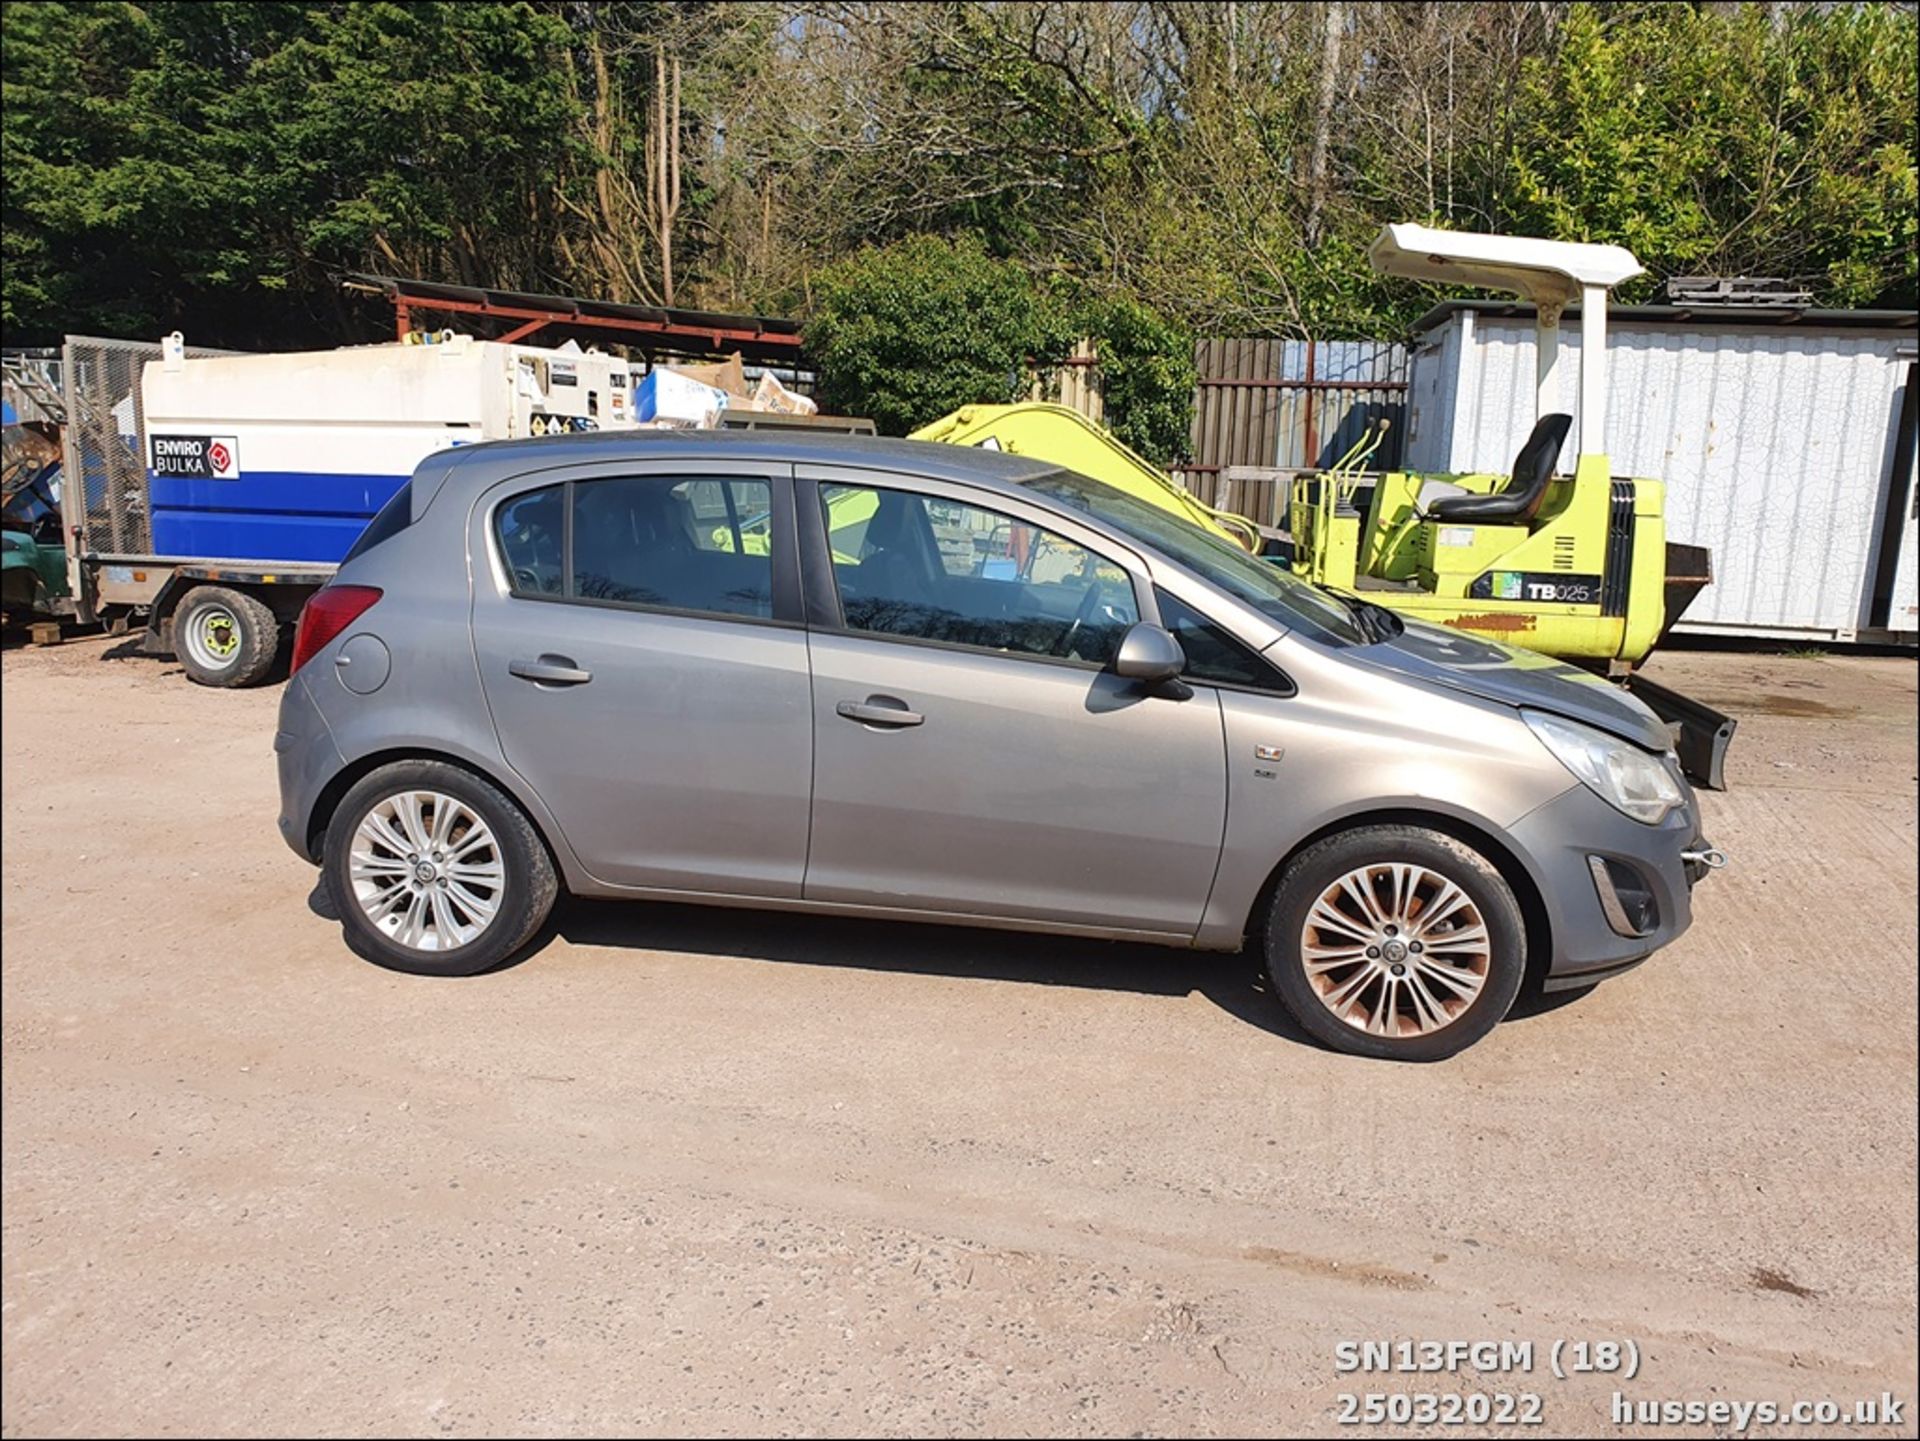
<point x="1068" y="439"/>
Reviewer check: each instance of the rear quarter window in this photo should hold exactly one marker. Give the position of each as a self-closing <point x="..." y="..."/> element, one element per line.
<point x="532" y="534"/>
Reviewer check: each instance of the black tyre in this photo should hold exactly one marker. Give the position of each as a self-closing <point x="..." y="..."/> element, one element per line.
<point x="225" y="637"/>
<point x="1396" y="942"/>
<point x="435" y="871"/>
<point x="19" y="595"/>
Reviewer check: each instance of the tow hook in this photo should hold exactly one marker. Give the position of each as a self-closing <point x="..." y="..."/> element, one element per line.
<point x="1712" y="857"/>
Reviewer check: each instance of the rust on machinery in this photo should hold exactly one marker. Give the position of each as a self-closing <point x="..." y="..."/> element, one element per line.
<point x="1500" y="622"/>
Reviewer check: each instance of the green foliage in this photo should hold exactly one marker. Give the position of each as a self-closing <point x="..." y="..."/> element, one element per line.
<point x="117" y="205"/>
<point x="1715" y="144"/>
<point x="205" y="165"/>
<point x="417" y="134"/>
<point x="208" y="166"/>
<point x="1146" y="375"/>
<point x="905" y="333"/>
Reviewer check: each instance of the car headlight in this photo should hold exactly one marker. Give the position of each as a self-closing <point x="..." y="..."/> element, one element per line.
<point x="1621" y="774"/>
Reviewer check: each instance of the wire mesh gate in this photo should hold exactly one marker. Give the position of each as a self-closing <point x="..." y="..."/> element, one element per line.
<point x="104" y="480"/>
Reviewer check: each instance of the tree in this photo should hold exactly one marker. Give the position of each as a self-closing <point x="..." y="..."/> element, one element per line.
<point x="663" y="163"/>
<point x="907" y="332"/>
<point x="422" y="139"/>
<point x="122" y="202"/>
<point x="1334" y="29"/>
<point x="205" y="166"/>
<point x="1147" y="376"/>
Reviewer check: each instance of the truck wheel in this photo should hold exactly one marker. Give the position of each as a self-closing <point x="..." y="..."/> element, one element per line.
<point x="225" y="637"/>
<point x="434" y="871"/>
<point x="1395" y="942"/>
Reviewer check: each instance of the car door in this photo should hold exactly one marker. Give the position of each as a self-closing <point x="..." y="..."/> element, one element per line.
<point x="972" y="755"/>
<point x="639" y="639"/>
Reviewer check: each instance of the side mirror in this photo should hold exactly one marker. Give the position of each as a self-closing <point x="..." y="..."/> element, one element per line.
<point x="1149" y="653"/>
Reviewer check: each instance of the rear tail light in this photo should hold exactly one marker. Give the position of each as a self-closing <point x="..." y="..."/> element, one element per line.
<point x="331" y="610"/>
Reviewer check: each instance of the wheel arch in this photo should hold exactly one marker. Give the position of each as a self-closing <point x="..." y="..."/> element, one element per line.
<point x="327" y="802"/>
<point x="1499" y="853"/>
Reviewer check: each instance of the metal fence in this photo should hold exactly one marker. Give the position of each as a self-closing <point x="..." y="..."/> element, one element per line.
<point x="1266" y="409"/>
<point x="104" y="474"/>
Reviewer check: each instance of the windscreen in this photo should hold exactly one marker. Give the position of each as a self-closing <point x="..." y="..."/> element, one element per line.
<point x="1283" y="598"/>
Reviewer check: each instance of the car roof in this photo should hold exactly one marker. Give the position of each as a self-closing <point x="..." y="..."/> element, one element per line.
<point x="489" y="461"/>
<point x="472" y="468"/>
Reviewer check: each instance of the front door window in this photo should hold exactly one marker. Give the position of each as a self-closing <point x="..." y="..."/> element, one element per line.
<point x="931" y="569"/>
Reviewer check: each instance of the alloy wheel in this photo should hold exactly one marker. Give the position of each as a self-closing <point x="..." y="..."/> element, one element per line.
<point x="426" y="870"/>
<point x="1396" y="949"/>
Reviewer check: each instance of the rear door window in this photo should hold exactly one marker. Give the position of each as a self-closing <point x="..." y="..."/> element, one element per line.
<point x="699" y="545"/>
<point x="532" y="531"/>
<point x="702" y="545"/>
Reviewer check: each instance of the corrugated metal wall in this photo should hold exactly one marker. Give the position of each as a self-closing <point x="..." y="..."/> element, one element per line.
<point x="1776" y="444"/>
<point x="1287" y="405"/>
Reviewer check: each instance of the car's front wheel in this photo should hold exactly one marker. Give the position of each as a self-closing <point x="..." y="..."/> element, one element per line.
<point x="1396" y="942"/>
<point x="434" y="871"/>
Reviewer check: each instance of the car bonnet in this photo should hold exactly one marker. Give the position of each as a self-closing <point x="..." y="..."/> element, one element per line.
<point x="1514" y="677"/>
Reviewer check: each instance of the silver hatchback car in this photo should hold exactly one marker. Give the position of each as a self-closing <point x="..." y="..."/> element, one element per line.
<point x="881" y="678"/>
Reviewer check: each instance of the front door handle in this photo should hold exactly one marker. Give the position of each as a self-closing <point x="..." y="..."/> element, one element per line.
<point x="550" y="670"/>
<point x="879" y="710"/>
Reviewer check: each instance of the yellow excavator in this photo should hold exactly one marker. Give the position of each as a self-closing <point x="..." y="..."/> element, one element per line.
<point x="1574" y="563"/>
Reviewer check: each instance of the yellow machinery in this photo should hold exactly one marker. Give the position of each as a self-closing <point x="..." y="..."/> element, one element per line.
<point x="1069" y="440"/>
<point x="1576" y="565"/>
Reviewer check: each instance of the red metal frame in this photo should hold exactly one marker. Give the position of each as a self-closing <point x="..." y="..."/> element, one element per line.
<point x="717" y="338"/>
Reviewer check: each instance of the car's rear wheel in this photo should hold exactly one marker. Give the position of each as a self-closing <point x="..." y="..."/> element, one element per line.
<point x="435" y="871"/>
<point x="1396" y="942"/>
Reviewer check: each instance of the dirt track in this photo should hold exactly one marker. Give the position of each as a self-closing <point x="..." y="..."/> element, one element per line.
<point x="695" y="1171"/>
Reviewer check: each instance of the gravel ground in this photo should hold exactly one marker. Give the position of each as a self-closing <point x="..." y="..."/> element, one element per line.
<point x="692" y="1171"/>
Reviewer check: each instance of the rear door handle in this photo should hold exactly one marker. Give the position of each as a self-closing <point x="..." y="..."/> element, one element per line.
<point x="879" y="710"/>
<point x="550" y="670"/>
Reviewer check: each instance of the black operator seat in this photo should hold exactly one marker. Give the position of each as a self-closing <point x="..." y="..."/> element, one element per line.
<point x="1520" y="500"/>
